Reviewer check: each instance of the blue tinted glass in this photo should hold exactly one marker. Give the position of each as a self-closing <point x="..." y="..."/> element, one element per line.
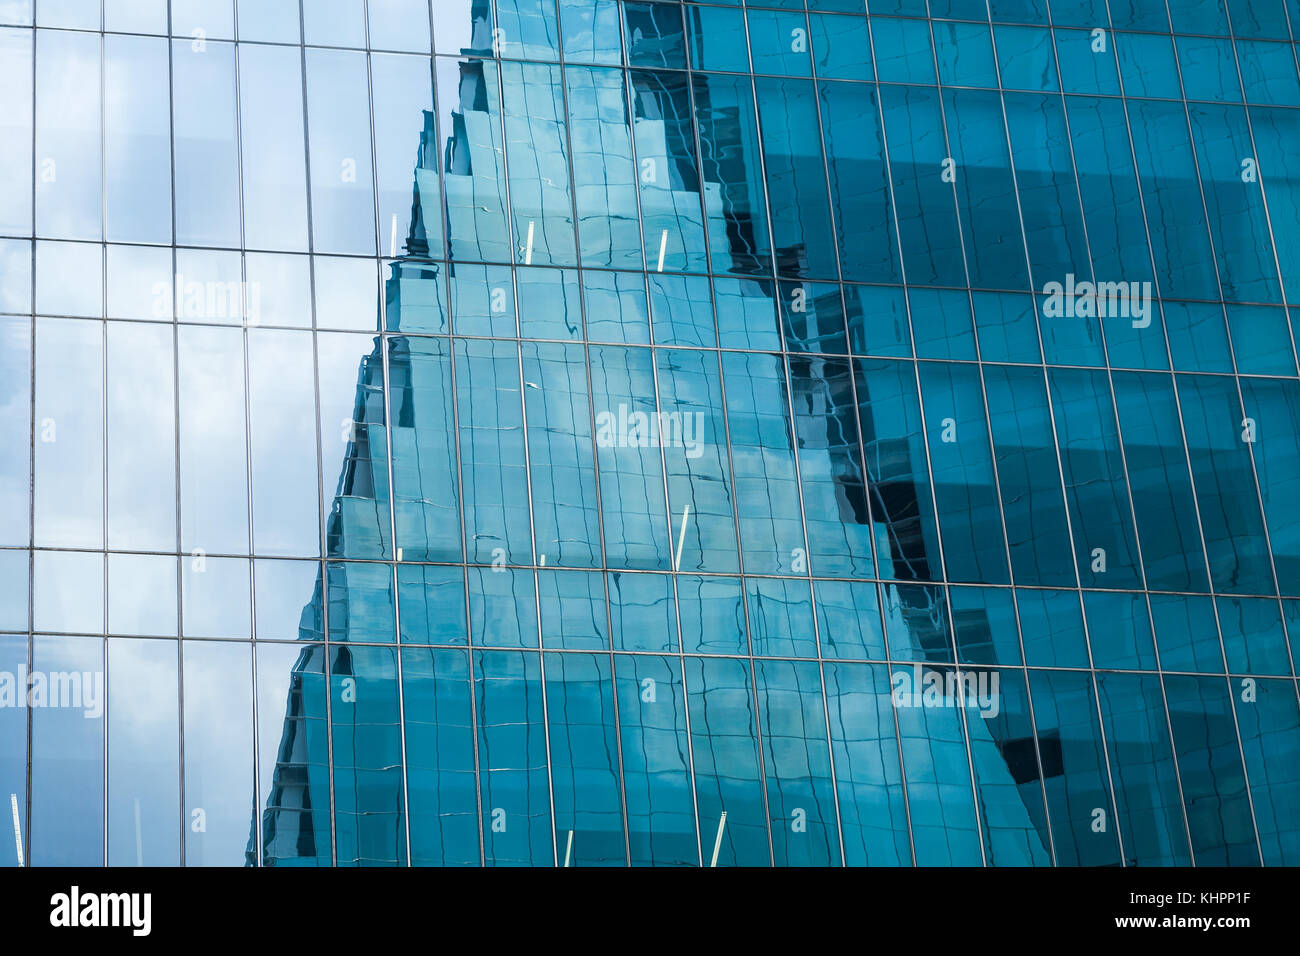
<point x="1253" y="638"/>
<point x="1187" y="633"/>
<point x="365" y="724"/>
<point x="728" y="778"/>
<point x="801" y="804"/>
<point x="440" y="762"/>
<point x="591" y="31"/>
<point x="840" y="46"/>
<point x="1074" y="768"/>
<point x="1210" y="762"/>
<point x="585" y="769"/>
<point x="864" y="746"/>
<point x="1119" y="630"/>
<point x="965" y="54"/>
<point x="572" y="606"/>
<point x="999" y="727"/>
<point x="778" y="42"/>
<point x="511" y="746"/>
<point x="502" y="607"/>
<point x="431" y="601"/>
<point x="903" y="52"/>
<point x="655" y="752"/>
<point x="848" y="616"/>
<point x="642" y="612"/>
<point x="293" y="758"/>
<point x="717" y="39"/>
<point x="984" y="625"/>
<point x="1051" y="626"/>
<point x="653" y="35"/>
<point x="1147" y="800"/>
<point x="1269" y="725"/>
<point x="713" y="615"/>
<point x="936" y="766"/>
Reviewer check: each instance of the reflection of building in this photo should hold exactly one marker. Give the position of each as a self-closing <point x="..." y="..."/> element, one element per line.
<point x="458" y="185"/>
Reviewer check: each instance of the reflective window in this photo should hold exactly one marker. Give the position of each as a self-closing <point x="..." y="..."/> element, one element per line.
<point x="67" y="770"/>
<point x="218" y="718"/>
<point x="294" y="802"/>
<point x="143" y="753"/>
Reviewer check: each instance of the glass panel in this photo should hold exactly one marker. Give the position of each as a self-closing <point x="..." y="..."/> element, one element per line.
<point x="205" y="128"/>
<point x="67" y="733"/>
<point x="16" y="125"/>
<point x="801" y="806"/>
<point x="440" y="761"/>
<point x="214" y="475"/>
<point x="425" y="479"/>
<point x="1075" y="774"/>
<point x="517" y="825"/>
<point x="15" y="430"/>
<point x="1210" y="767"/>
<point x="585" y="770"/>
<point x="1142" y="770"/>
<point x="342" y="180"/>
<point x="656" y="761"/>
<point x="137" y="144"/>
<point x="13" y="735"/>
<point x="728" y="778"/>
<point x="603" y="177"/>
<point x="144" y="815"/>
<point x="271" y="131"/>
<point x="537" y="150"/>
<point x="293" y="756"/>
<point x="286" y="517"/>
<point x="699" y="481"/>
<point x="70" y="416"/>
<point x="69" y="131"/>
<point x="864" y="741"/>
<point x="220" y="806"/>
<point x="369" y="801"/>
<point x="631" y="473"/>
<point x="767" y="487"/>
<point x="564" y="489"/>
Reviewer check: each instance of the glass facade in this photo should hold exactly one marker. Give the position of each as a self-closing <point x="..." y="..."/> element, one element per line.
<point x="575" y="432"/>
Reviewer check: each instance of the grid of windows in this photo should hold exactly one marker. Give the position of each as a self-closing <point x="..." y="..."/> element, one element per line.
<point x="607" y="432"/>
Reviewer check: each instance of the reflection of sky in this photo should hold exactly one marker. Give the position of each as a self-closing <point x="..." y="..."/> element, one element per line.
<point x="15" y="290"/>
<point x="15" y="419"/>
<point x="67" y="771"/>
<point x="218" y="740"/>
<point x="69" y="380"/>
<point x="13" y="741"/>
<point x="143" y="740"/>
